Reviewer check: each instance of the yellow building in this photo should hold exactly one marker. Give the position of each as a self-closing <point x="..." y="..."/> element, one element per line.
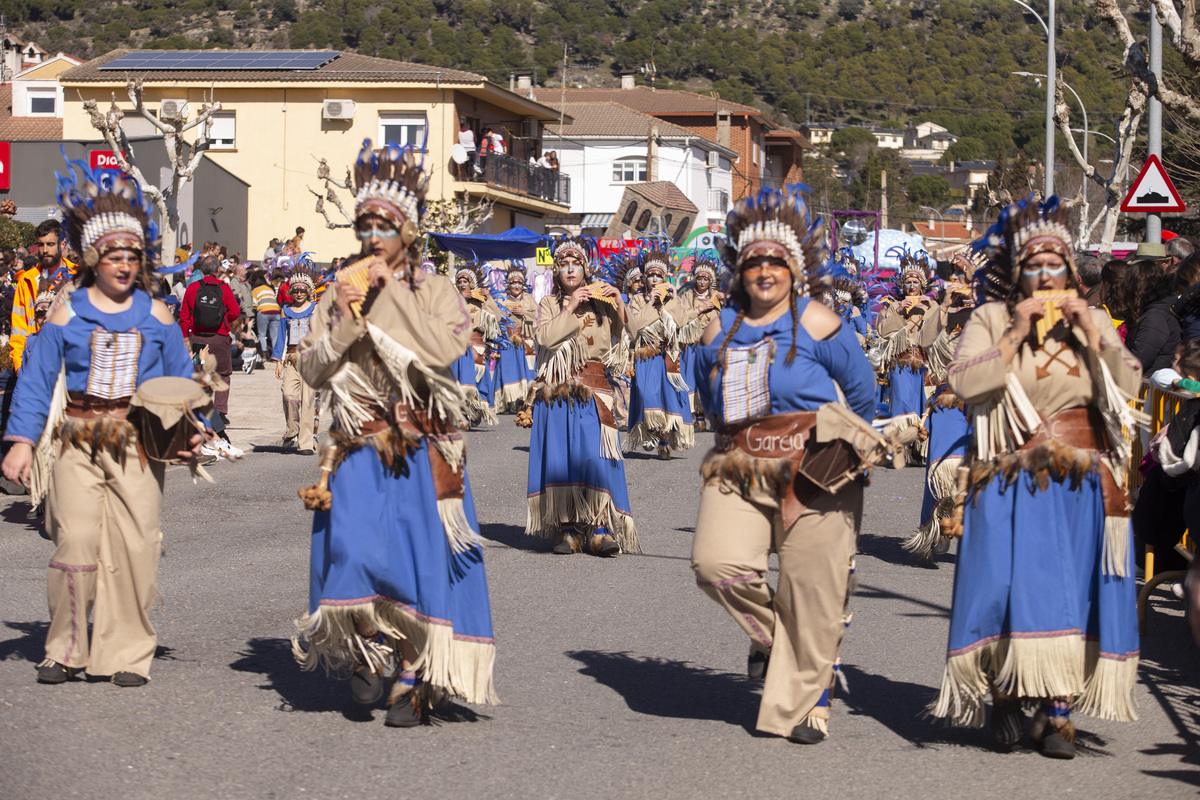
<point x="279" y="115"/>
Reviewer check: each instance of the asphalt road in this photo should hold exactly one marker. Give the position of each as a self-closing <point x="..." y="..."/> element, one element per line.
<point x="618" y="678"/>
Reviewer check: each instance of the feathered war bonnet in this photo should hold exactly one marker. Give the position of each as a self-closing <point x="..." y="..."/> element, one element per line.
<point x="620" y="269"/>
<point x="515" y="271"/>
<point x="969" y="261"/>
<point x="845" y="291"/>
<point x="704" y="265"/>
<point x="582" y="247"/>
<point x="99" y="218"/>
<point x="776" y="222"/>
<point x="913" y="265"/>
<point x="1024" y="229"/>
<point x="391" y="183"/>
<point x="655" y="255"/>
<point x="474" y="272"/>
<point x="303" y="272"/>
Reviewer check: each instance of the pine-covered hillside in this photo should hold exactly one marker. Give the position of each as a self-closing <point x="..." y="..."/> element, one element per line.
<point x="849" y="61"/>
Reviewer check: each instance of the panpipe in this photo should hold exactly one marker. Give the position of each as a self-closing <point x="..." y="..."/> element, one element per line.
<point x="480" y="295"/>
<point x="596" y="290"/>
<point x="660" y="291"/>
<point x="717" y="302"/>
<point x="1053" y="313"/>
<point x="355" y="275"/>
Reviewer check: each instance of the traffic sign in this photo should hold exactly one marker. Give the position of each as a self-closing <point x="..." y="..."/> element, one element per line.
<point x="1153" y="191"/>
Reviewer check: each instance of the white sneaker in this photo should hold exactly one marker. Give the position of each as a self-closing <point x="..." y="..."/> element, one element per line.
<point x="209" y="450"/>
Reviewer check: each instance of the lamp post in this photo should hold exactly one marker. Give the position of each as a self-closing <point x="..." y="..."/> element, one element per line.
<point x="1051" y="68"/>
<point x="1082" y="108"/>
<point x="941" y="222"/>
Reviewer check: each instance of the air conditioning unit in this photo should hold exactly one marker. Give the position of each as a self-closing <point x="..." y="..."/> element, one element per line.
<point x="529" y="128"/>
<point x="714" y="159"/>
<point x="338" y="109"/>
<point x="173" y="109"/>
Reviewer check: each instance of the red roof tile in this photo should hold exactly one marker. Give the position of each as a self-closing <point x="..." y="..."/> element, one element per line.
<point x="944" y="230"/>
<point x="25" y="129"/>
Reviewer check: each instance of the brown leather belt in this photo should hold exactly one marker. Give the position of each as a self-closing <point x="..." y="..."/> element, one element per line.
<point x="447" y="481"/>
<point x="81" y="405"/>
<point x="1083" y="429"/>
<point x="594" y="376"/>
<point x="782" y="438"/>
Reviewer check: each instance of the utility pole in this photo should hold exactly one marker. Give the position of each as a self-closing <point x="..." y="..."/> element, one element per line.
<point x="1051" y="69"/>
<point x="652" y="155"/>
<point x="883" y="198"/>
<point x="1154" y="220"/>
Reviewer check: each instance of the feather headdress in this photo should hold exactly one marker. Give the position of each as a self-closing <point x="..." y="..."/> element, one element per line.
<point x="774" y="219"/>
<point x="655" y="255"/>
<point x="845" y="292"/>
<point x="704" y="265"/>
<point x="474" y="272"/>
<point x="620" y="269"/>
<point x="302" y="274"/>
<point x="968" y="261"/>
<point x="100" y="216"/>
<point x="391" y="183"/>
<point x="1023" y="229"/>
<point x="913" y="265"/>
<point x="582" y="247"/>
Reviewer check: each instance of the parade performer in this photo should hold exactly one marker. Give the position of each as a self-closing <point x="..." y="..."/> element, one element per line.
<point x="847" y="297"/>
<point x="513" y="372"/>
<point x="69" y="415"/>
<point x="1044" y="590"/>
<point x="903" y="366"/>
<point x="773" y="362"/>
<point x="577" y="491"/>
<point x="659" y="410"/>
<point x="471" y="368"/>
<point x="944" y="417"/>
<point x="702" y="302"/>
<point x="397" y="575"/>
<point x="299" y="406"/>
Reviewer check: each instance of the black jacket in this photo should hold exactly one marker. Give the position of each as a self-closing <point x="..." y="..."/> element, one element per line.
<point x="1155" y="337"/>
<point x="1187" y="309"/>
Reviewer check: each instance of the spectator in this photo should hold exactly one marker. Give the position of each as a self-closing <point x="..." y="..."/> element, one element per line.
<point x="241" y="290"/>
<point x="498" y="145"/>
<point x="299" y="235"/>
<point x="35" y="279"/>
<point x="1112" y="279"/>
<point x="269" y="255"/>
<point x="1152" y="329"/>
<point x="485" y="149"/>
<point x="1187" y="307"/>
<point x="209" y="308"/>
<point x="1088" y="268"/>
<point x="466" y="137"/>
<point x="1178" y="249"/>
<point x="554" y="160"/>
<point x="267" y="309"/>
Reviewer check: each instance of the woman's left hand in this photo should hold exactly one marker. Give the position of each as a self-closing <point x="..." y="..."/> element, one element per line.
<point x="1076" y="312"/>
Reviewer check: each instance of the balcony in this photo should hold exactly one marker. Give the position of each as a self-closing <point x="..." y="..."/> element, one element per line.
<point x="718" y="201"/>
<point x="521" y="177"/>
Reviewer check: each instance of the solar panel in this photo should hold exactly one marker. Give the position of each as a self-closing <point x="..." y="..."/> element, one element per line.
<point x="183" y="60"/>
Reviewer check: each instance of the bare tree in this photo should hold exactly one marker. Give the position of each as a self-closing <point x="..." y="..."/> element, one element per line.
<point x="441" y="216"/>
<point x="1183" y="35"/>
<point x="1114" y="185"/>
<point x="183" y="157"/>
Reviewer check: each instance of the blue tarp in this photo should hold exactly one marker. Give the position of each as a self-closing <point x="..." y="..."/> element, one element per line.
<point x="515" y="243"/>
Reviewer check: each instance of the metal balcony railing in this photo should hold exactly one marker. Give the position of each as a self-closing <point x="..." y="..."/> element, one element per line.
<point x="515" y="175"/>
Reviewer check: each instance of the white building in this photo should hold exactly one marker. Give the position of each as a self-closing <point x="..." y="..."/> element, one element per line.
<point x="610" y="146"/>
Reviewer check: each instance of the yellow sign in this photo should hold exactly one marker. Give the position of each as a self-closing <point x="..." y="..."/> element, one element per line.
<point x="544" y="259"/>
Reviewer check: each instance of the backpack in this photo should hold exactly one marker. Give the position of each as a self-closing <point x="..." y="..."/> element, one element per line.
<point x="209" y="309"/>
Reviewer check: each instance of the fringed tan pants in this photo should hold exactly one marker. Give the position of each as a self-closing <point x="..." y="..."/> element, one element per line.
<point x="803" y="620"/>
<point x="103" y="520"/>
<point x="298" y="407"/>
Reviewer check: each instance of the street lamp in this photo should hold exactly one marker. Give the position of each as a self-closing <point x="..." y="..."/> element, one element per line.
<point x="1077" y="100"/>
<point x="1051" y="68"/>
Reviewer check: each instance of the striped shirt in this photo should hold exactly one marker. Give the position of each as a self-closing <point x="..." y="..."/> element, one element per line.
<point x="264" y="300"/>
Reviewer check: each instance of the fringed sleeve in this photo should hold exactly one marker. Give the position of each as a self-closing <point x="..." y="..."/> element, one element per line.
<point x="330" y="335"/>
<point x="554" y="324"/>
<point x="978" y="369"/>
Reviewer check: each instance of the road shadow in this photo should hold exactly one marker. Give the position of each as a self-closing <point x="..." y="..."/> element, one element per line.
<point x="513" y="536"/>
<point x="17" y="513"/>
<point x="869" y="592"/>
<point x="298" y="690"/>
<point x="30" y="644"/>
<point x="661" y="687"/>
<point x="522" y="448"/>
<point x="902" y="708"/>
<point x="1168" y="672"/>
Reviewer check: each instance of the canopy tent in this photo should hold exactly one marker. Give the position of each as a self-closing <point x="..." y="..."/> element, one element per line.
<point x="892" y="245"/>
<point x="518" y="242"/>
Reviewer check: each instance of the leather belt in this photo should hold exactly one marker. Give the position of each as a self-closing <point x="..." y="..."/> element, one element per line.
<point x="81" y="405"/>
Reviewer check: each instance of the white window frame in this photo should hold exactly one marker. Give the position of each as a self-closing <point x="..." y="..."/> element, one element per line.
<point x="222" y="134"/>
<point x="628" y="168"/>
<point x="42" y="93"/>
<point x="413" y="124"/>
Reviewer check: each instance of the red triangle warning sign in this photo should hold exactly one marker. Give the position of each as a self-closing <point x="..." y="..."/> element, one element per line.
<point x="1153" y="191"/>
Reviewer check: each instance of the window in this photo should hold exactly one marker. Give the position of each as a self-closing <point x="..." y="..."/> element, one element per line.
<point x="402" y="129"/>
<point x="629" y="170"/>
<point x="630" y="210"/>
<point x="643" y="221"/>
<point x="43" y="102"/>
<point x="684" y="228"/>
<point x="222" y="132"/>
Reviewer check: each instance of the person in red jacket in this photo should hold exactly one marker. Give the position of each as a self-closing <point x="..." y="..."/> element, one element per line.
<point x="208" y="309"/>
